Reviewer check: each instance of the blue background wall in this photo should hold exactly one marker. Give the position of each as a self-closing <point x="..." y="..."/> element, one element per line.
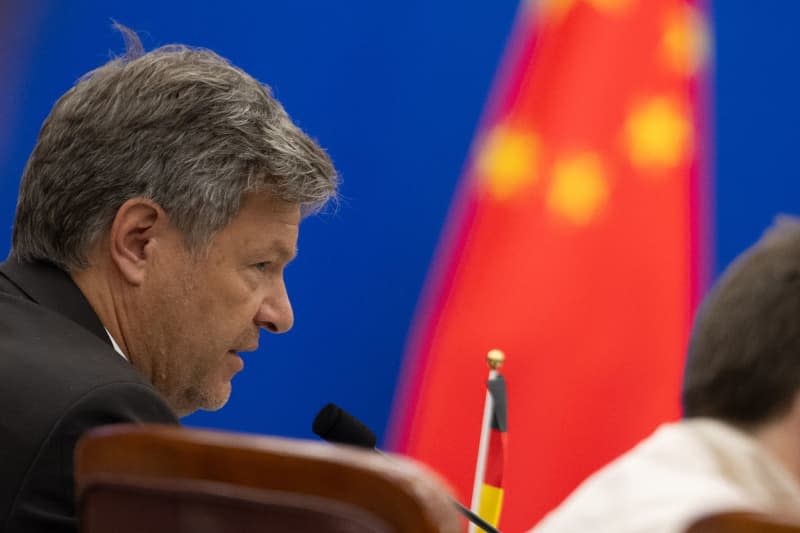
<point x="757" y="112"/>
<point x="394" y="92"/>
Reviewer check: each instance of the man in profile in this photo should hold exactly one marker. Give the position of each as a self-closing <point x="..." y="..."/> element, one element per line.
<point x="155" y="217"/>
<point x="738" y="446"/>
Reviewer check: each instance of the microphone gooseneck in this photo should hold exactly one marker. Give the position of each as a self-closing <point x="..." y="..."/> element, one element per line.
<point x="336" y="425"/>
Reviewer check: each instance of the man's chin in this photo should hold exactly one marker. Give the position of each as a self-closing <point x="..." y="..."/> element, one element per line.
<point x="205" y="400"/>
<point x="218" y="399"/>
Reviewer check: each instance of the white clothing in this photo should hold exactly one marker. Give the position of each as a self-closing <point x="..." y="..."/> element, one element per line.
<point x="115" y="345"/>
<point x="683" y="471"/>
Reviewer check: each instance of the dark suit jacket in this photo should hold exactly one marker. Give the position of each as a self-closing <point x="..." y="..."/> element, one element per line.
<point x="59" y="376"/>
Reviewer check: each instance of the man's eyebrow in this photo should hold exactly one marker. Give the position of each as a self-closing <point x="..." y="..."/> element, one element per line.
<point x="286" y="254"/>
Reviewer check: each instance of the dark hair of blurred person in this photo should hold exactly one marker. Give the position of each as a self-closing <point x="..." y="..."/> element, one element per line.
<point x="738" y="447"/>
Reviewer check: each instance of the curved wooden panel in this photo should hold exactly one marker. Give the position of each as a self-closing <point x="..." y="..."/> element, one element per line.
<point x="740" y="522"/>
<point x="393" y="489"/>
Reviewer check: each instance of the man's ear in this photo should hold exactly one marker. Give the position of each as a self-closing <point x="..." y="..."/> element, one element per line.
<point x="139" y="222"/>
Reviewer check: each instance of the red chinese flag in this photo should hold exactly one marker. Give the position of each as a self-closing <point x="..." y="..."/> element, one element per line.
<point x="575" y="245"/>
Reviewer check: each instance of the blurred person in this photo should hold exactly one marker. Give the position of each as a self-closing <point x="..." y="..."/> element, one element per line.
<point x="738" y="445"/>
<point x="155" y="217"/>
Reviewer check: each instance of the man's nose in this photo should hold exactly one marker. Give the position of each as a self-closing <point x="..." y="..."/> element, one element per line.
<point x="275" y="313"/>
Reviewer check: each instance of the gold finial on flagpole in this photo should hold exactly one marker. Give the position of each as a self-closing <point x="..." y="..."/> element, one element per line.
<point x="495" y="358"/>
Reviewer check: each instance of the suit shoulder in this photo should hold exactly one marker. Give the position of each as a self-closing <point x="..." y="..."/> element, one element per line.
<point x="41" y="350"/>
<point x="36" y="494"/>
<point x="60" y="378"/>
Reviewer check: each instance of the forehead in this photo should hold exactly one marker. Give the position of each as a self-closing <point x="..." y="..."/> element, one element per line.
<point x="262" y="222"/>
<point x="264" y="207"/>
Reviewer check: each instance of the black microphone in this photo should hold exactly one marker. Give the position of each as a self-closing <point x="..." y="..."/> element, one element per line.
<point x="336" y="425"/>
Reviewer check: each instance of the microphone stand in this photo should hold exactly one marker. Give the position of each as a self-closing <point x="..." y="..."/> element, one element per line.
<point x="475" y="519"/>
<point x="336" y="425"/>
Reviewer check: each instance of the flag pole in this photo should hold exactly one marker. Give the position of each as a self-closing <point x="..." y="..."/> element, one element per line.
<point x="495" y="359"/>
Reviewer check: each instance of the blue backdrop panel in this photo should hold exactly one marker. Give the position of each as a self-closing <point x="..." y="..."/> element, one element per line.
<point x="757" y="112"/>
<point x="394" y="92"/>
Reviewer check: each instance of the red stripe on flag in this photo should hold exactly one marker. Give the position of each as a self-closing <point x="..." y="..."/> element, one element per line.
<point x="496" y="459"/>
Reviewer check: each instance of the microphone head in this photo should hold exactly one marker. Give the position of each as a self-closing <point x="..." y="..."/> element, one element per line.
<point x="334" y="424"/>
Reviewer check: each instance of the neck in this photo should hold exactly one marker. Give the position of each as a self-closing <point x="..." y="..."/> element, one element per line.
<point x="100" y="289"/>
<point x="780" y="438"/>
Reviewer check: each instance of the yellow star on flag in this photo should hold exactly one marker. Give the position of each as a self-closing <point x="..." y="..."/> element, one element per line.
<point x="552" y="9"/>
<point x="507" y="160"/>
<point x="658" y="134"/>
<point x="685" y="43"/>
<point x="556" y="9"/>
<point x="609" y="6"/>
<point x="579" y="188"/>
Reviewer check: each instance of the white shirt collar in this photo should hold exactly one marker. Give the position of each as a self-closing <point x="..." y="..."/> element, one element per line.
<point x="115" y="345"/>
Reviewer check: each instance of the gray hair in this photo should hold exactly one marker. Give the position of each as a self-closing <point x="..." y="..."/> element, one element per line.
<point x="178" y="125"/>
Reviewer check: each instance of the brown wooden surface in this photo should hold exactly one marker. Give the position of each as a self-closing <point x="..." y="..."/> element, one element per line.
<point x="740" y="522"/>
<point x="134" y="505"/>
<point x="395" y="490"/>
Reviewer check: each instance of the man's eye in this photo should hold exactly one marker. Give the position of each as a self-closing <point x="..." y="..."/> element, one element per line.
<point x="262" y="266"/>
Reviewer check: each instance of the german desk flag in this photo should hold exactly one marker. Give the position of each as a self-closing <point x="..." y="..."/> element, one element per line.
<point x="576" y="243"/>
<point x="487" y="491"/>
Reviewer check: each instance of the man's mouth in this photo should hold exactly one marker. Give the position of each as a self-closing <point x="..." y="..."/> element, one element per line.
<point x="237" y="359"/>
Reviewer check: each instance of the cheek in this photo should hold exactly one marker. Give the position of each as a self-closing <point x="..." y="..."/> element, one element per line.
<point x="226" y="318"/>
<point x="236" y="297"/>
<point x="221" y="306"/>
